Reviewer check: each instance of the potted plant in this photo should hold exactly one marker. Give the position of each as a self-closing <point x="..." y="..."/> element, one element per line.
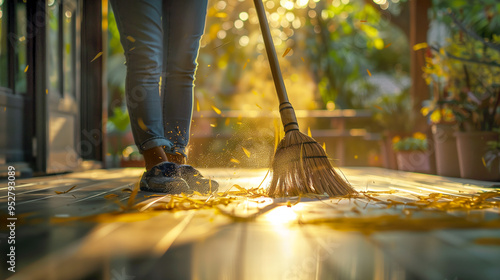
<point x="390" y="113"/>
<point x="472" y="72"/>
<point x="412" y="153"/>
<point x="492" y="156"/>
<point x="440" y="115"/>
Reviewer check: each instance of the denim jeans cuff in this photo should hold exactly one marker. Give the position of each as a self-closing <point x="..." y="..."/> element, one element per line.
<point x="175" y="150"/>
<point x="155" y="142"/>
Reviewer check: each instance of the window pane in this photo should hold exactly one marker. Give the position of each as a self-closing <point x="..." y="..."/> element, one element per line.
<point x="21" y="53"/>
<point x="53" y="58"/>
<point x="4" y="82"/>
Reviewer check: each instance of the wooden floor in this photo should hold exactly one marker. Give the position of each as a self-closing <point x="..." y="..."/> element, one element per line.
<point x="84" y="234"/>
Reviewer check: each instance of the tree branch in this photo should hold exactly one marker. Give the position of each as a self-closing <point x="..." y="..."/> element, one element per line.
<point x="490" y="63"/>
<point x="473" y="34"/>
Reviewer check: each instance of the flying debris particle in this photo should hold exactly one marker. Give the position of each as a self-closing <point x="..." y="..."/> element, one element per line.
<point x="246" y="152"/>
<point x="235" y="161"/>
<point x="66" y="191"/>
<point x="221" y="15"/>
<point x="213" y="125"/>
<point x="388" y="45"/>
<point x="484" y="162"/>
<point x="46" y="91"/>
<point x="197" y="106"/>
<point x="208" y="65"/>
<point x="324" y="146"/>
<point x="97" y="56"/>
<point x="355" y="156"/>
<point x="217" y="110"/>
<point x="303" y="59"/>
<point x="131" y="39"/>
<point x="258" y="106"/>
<point x="309" y="131"/>
<point x="378" y="107"/>
<point x="369" y="73"/>
<point x="286" y="52"/>
<point x="245" y="66"/>
<point x="131" y="49"/>
<point x="364" y="20"/>
<point x="254" y="92"/>
<point x="142" y="125"/>
<point x="228" y="120"/>
<point x="26" y="69"/>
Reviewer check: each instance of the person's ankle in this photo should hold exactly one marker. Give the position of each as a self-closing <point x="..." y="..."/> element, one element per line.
<point x="177" y="158"/>
<point x="154" y="156"/>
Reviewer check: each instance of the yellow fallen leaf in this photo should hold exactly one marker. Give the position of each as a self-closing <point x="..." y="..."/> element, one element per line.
<point x="246" y="152"/>
<point x="197" y="106"/>
<point x="67" y="191"/>
<point x="488" y="241"/>
<point x="217" y="110"/>
<point x="26" y="69"/>
<point x="110" y="196"/>
<point x="369" y="73"/>
<point x="420" y="46"/>
<point x="213" y="125"/>
<point x="97" y="56"/>
<point x="258" y="106"/>
<point x="234" y="160"/>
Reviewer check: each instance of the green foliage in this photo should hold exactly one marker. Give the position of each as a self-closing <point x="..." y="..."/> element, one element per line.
<point x="343" y="42"/>
<point x="120" y="121"/>
<point x="391" y="112"/>
<point x="466" y="72"/>
<point x="411" y="144"/>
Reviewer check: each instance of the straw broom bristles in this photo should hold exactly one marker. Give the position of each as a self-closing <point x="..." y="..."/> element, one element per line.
<point x="301" y="166"/>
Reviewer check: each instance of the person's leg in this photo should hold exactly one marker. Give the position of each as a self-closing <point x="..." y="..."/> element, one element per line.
<point x="141" y="35"/>
<point x="183" y="24"/>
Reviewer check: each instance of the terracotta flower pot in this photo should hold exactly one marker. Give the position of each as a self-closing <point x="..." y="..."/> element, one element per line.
<point x="414" y="161"/>
<point x="445" y="146"/>
<point x="471" y="148"/>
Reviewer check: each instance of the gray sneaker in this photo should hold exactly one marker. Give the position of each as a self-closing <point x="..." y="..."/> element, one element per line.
<point x="195" y="180"/>
<point x="164" y="178"/>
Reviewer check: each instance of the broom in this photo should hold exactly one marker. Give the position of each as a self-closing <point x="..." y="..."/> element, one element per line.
<point x="300" y="164"/>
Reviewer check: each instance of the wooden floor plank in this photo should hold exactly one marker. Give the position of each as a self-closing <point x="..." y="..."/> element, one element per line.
<point x="245" y="239"/>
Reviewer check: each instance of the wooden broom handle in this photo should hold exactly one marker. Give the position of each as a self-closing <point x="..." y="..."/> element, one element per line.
<point x="288" y="117"/>
<point x="271" y="52"/>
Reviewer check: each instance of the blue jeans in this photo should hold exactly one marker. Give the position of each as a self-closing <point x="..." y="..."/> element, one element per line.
<point x="161" y="38"/>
